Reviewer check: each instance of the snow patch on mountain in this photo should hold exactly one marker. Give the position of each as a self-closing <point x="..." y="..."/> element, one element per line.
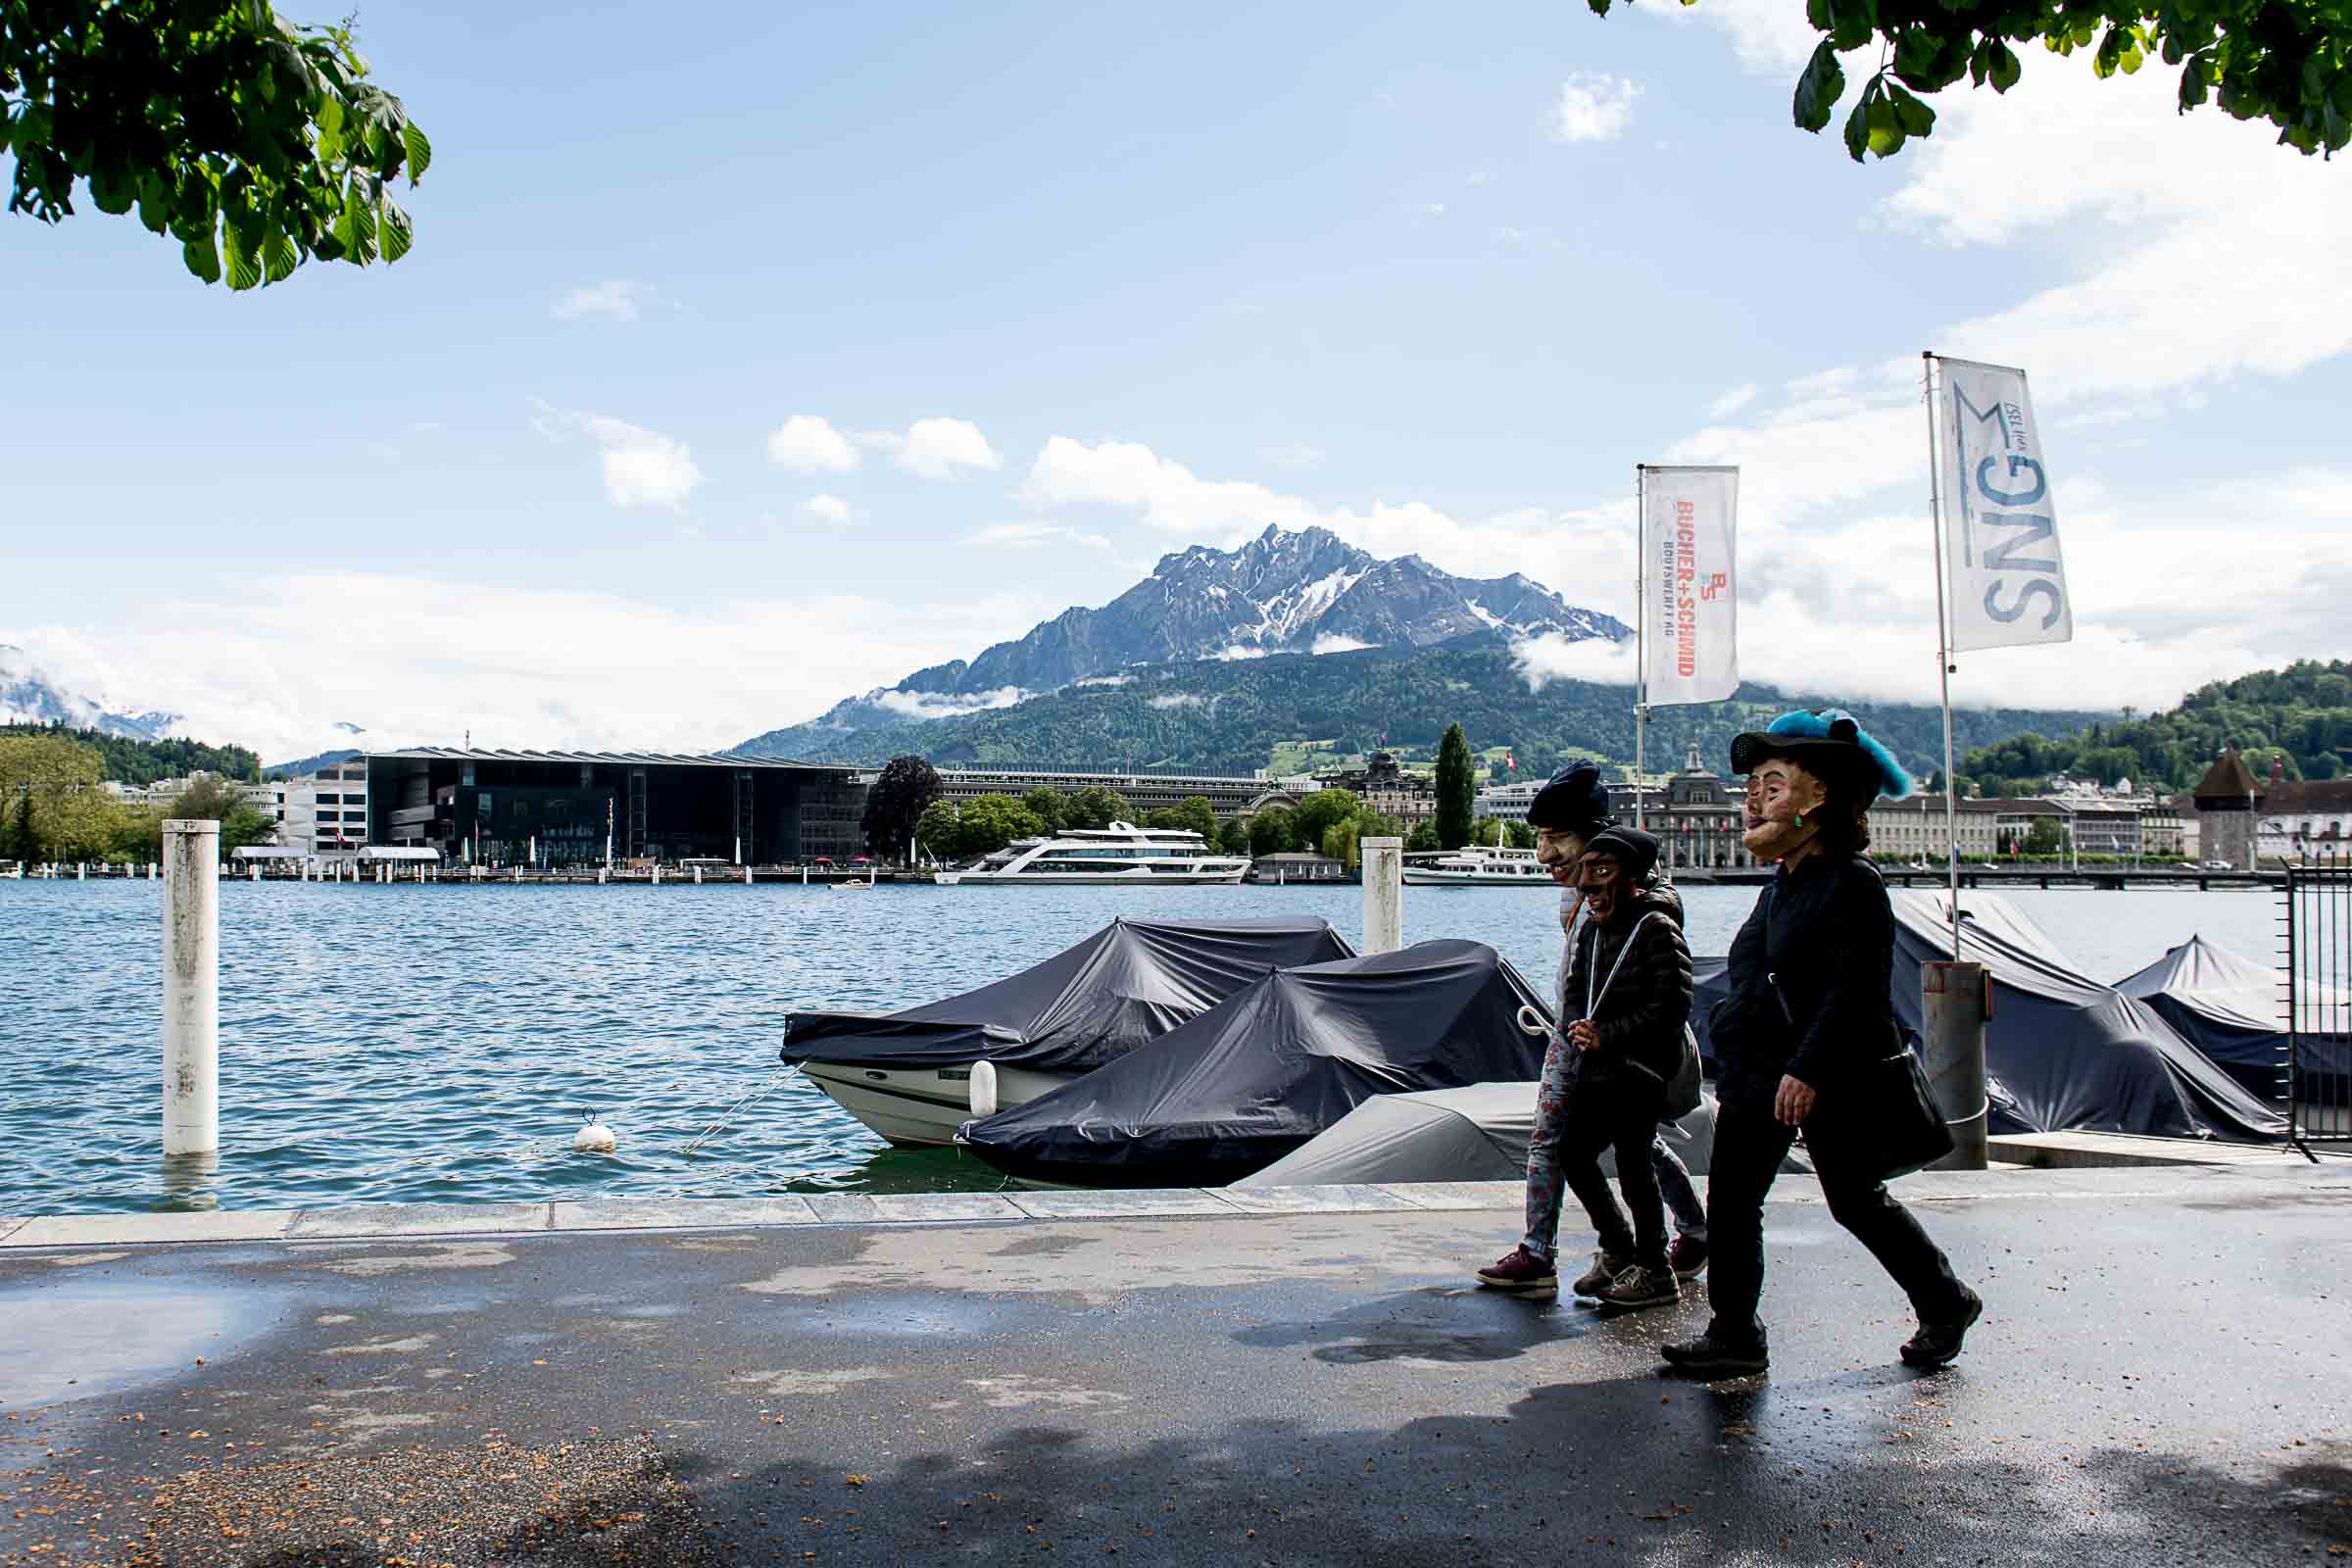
<point x="28" y="696"/>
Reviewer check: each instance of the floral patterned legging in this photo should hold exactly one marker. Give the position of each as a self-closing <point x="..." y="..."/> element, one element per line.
<point x="1547" y="1182"/>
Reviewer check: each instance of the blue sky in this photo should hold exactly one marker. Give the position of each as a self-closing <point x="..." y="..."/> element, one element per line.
<point x="1433" y="279"/>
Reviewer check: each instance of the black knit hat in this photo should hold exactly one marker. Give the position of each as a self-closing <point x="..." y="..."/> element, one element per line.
<point x="1573" y="801"/>
<point x="1630" y="847"/>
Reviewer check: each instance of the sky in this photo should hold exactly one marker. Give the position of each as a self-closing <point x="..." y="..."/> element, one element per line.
<point x="766" y="354"/>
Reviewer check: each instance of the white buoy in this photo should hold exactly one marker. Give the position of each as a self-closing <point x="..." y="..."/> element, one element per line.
<point x="984" y="1088"/>
<point x="594" y="1138"/>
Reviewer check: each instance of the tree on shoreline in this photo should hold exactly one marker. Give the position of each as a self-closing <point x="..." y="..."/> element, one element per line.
<point x="253" y="143"/>
<point x="2288" y="62"/>
<point x="896" y="801"/>
<point x="1456" y="791"/>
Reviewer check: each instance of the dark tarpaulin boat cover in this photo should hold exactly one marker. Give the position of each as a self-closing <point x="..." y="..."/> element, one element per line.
<point x="1130" y="982"/>
<point x="2062" y="1053"/>
<point x="1254" y="1078"/>
<point x="1477" y="1134"/>
<point x="2234" y="1009"/>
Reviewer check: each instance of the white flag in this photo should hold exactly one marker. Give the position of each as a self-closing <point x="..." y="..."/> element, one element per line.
<point x="2000" y="531"/>
<point x="1691" y="611"/>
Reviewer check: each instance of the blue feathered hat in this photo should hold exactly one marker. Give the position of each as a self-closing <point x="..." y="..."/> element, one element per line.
<point x="1827" y="743"/>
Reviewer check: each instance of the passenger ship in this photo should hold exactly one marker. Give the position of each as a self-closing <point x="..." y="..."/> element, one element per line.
<point x="1475" y="867"/>
<point x="1121" y="854"/>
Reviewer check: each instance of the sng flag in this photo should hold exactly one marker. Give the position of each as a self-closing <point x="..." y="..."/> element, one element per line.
<point x="2001" y="530"/>
<point x="1691" y="619"/>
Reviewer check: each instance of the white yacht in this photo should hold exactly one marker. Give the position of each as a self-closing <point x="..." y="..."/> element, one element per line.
<point x="1476" y="866"/>
<point x="1121" y="854"/>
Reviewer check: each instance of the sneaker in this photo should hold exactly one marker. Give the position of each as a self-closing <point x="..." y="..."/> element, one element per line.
<point x="1939" y="1343"/>
<point x="1521" y="1273"/>
<point x="1639" y="1286"/>
<point x="1688" y="1256"/>
<point x="1604" y="1271"/>
<point x="1710" y="1356"/>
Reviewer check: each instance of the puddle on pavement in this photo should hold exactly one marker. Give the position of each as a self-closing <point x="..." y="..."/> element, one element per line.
<point x="84" y="1338"/>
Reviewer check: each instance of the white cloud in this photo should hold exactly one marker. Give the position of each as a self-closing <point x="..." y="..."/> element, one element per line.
<point x="1168" y="700"/>
<point x="1544" y="659"/>
<point x="827" y="509"/>
<point x="1594" y="107"/>
<point x="419" y="660"/>
<point x="936" y="448"/>
<point x="1105" y="680"/>
<point x="1033" y="536"/>
<point x="1331" y="642"/>
<point x="929" y="706"/>
<point x="1236" y="652"/>
<point x="641" y="467"/>
<point x="808" y="443"/>
<point x="616" y="299"/>
<point x="1731" y="402"/>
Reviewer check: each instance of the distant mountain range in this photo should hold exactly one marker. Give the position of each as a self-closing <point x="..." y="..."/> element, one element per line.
<point x="1285" y="591"/>
<point x="28" y="696"/>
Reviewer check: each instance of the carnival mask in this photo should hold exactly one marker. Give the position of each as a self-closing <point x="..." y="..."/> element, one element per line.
<point x="1785" y="804"/>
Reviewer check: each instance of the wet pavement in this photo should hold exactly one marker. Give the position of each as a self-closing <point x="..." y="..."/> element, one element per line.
<point x="2163" y="1376"/>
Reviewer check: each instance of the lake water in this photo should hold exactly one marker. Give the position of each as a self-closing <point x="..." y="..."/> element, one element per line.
<point x="408" y="1043"/>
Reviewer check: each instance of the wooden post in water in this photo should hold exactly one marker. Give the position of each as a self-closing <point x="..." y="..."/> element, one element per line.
<point x="1383" y="894"/>
<point x="191" y="987"/>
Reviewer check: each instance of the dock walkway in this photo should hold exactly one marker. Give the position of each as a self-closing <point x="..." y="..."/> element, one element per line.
<point x="1166" y="1378"/>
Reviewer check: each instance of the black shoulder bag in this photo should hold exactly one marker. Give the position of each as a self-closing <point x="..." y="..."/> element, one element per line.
<point x="1884" y="1121"/>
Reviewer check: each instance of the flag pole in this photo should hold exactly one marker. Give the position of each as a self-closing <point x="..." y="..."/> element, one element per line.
<point x="1640" y="631"/>
<point x="1944" y="655"/>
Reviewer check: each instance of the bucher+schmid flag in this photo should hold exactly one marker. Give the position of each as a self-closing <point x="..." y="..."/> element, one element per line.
<point x="2005" y="575"/>
<point x="1690" y="649"/>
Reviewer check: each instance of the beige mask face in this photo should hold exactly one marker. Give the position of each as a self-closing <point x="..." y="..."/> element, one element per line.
<point x="1558" y="852"/>
<point x="1780" y="796"/>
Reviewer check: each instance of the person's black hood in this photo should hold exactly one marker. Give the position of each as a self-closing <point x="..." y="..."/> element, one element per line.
<point x="1631" y="848"/>
<point x="1573" y="801"/>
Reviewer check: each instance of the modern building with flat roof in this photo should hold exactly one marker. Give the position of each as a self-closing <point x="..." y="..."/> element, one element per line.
<point x="505" y="808"/>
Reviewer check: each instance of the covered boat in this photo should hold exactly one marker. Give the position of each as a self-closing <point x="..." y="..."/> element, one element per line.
<point x="1477" y="1134"/>
<point x="1261" y="1074"/>
<point x="907" y="1074"/>
<point x="2228" y="1007"/>
<point x="2062" y="1053"/>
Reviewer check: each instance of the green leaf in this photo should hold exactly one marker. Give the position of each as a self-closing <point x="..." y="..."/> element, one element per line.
<point x="279" y="258"/>
<point x="1857" y="123"/>
<point x="1821" y="14"/>
<point x="203" y="257"/>
<point x="114" y="191"/>
<point x="1819" y="88"/>
<point x="420" y="151"/>
<point x="393" y="225"/>
<point x="244" y="266"/>
<point x="1915" y="118"/>
<point x="2006" y="67"/>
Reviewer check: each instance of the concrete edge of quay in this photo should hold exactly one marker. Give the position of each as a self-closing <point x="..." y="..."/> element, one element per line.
<point x="2289" y="1175"/>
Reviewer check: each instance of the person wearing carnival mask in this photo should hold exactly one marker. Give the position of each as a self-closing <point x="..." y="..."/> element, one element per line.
<point x="1567" y="813"/>
<point x="1806" y="1013"/>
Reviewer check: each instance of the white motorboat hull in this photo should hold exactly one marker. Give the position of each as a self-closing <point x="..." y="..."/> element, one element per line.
<point x="920" y="1107"/>
<point x="1415" y="878"/>
<point x="1139" y="877"/>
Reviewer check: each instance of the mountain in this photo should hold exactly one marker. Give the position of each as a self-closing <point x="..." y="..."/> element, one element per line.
<point x="1304" y="591"/>
<point x="28" y="696"/>
<point x="1229" y="717"/>
<point x="304" y="767"/>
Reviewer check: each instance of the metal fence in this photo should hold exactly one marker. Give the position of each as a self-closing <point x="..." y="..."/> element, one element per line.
<point x="2318" y="998"/>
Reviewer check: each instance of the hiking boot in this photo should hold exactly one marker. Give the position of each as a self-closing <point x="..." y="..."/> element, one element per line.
<point x="1714" y="1355"/>
<point x="1688" y="1256"/>
<point x="1938" y="1344"/>
<point x="1603" y="1272"/>
<point x="1639" y="1287"/>
<point x="1521" y="1273"/>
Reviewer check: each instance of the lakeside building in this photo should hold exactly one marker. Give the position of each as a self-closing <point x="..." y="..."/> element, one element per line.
<point x="164" y="791"/>
<point x="2304" y="820"/>
<point x="1697" y="816"/>
<point x="1229" y="795"/>
<point x="498" y="807"/>
<point x="322" y="814"/>
<point x="1387" y="788"/>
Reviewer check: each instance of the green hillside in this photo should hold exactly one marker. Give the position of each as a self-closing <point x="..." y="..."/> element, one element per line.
<point x="1265" y="713"/>
<point x="136" y="761"/>
<point x="2300" y="715"/>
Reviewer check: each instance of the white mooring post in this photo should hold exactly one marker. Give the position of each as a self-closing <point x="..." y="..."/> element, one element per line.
<point x="1383" y="894"/>
<point x="1955" y="998"/>
<point x="191" y="987"/>
<point x="657" y="876"/>
<point x="747" y="876"/>
<point x="698" y="877"/>
<point x="253" y="872"/>
<point x="82" y="870"/>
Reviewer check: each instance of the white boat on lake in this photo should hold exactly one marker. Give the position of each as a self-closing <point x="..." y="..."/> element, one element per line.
<point x="1121" y="855"/>
<point x="1476" y="866"/>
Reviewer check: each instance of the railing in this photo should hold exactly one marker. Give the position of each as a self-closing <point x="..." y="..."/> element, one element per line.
<point x="2318" y="998"/>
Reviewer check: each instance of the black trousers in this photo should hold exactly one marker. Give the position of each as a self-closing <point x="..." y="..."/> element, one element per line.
<point x="1605" y="1116"/>
<point x="1749" y="1146"/>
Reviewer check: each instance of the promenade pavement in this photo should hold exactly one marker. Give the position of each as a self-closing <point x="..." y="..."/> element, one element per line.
<point x="2163" y="1376"/>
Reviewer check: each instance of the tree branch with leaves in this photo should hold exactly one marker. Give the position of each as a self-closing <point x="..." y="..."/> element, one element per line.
<point x="255" y="143"/>
<point x="2287" y="62"/>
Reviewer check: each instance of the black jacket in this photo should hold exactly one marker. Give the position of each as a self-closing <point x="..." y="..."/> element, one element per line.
<point x="1641" y="1017"/>
<point x="1826" y="933"/>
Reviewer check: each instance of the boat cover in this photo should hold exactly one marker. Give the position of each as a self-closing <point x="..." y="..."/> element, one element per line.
<point x="2062" y="1053"/>
<point x="1477" y="1134"/>
<point x="1288" y="1056"/>
<point x="1130" y="982"/>
<point x="2234" y="1009"/>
